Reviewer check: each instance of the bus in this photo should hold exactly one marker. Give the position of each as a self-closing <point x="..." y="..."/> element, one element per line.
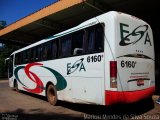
<point x="106" y="60"/>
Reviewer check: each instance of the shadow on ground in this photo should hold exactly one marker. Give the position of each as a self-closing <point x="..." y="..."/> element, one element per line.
<point x="2" y="78"/>
<point x="123" y="109"/>
<point x="20" y="114"/>
<point x="129" y="110"/>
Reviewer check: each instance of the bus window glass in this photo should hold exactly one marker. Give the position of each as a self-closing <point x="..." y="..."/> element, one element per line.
<point x="99" y="39"/>
<point x="21" y="58"/>
<point x="65" y="46"/>
<point x="35" y="54"/>
<point x="91" y="38"/>
<point x="32" y="55"/>
<point x="77" y="43"/>
<point x="49" y="50"/>
<point x="28" y="56"/>
<point x="54" y="49"/>
<point x="24" y="57"/>
<point x="44" y="52"/>
<point x="17" y="58"/>
<point x="21" y="62"/>
<point x="39" y="52"/>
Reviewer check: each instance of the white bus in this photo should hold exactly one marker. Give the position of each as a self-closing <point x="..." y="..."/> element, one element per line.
<point x="106" y="60"/>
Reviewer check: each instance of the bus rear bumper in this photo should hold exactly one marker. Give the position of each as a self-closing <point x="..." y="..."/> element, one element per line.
<point x="116" y="97"/>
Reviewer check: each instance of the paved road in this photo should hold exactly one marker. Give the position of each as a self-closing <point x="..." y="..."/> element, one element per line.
<point x="25" y="106"/>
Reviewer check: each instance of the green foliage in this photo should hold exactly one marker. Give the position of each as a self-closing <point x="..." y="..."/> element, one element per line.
<point x="2" y="24"/>
<point x="4" y="53"/>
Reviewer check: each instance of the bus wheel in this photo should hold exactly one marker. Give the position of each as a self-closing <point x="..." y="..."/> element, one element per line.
<point x="51" y="95"/>
<point x="16" y="86"/>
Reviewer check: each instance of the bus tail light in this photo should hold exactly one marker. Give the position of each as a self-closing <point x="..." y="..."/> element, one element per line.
<point x="113" y="74"/>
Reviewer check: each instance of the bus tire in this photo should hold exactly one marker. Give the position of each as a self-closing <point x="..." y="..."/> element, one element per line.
<point x="52" y="94"/>
<point x="16" y="86"/>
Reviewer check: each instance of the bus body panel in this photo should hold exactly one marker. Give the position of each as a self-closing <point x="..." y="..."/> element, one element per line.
<point x="109" y="41"/>
<point x="73" y="84"/>
<point x="133" y="52"/>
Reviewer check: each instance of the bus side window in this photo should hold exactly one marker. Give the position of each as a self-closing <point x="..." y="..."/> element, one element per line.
<point x="99" y="39"/>
<point x="32" y="55"/>
<point x="65" y="46"/>
<point x="49" y="50"/>
<point x="39" y="52"/>
<point x="18" y="59"/>
<point x="54" y="49"/>
<point x="28" y="56"/>
<point x="35" y="54"/>
<point x="44" y="52"/>
<point x="21" y="56"/>
<point x="24" y="57"/>
<point x="77" y="43"/>
<point x="95" y="39"/>
<point x="90" y="40"/>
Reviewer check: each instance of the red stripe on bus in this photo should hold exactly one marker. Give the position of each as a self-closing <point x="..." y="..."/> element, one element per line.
<point x="32" y="76"/>
<point x="116" y="97"/>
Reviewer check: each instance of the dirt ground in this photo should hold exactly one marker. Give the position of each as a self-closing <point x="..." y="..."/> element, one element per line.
<point x="25" y="106"/>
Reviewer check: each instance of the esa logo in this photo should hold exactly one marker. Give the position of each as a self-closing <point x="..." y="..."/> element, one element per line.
<point x="78" y="65"/>
<point x="132" y="37"/>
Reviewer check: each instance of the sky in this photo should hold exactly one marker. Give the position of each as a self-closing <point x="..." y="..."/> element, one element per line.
<point x="13" y="10"/>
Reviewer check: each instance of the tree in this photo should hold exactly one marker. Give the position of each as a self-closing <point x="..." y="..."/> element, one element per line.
<point x="4" y="53"/>
<point x="2" y="24"/>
